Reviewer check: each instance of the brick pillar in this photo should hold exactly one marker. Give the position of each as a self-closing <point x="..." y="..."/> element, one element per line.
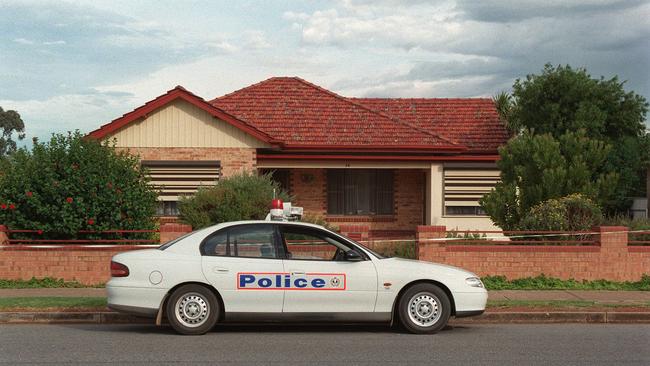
<point x="613" y="252"/>
<point x="4" y="237"/>
<point x="427" y="249"/>
<point x="170" y="232"/>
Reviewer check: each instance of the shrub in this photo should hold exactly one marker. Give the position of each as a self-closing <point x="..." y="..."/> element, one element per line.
<point x="571" y="213"/>
<point x="70" y="184"/>
<point x="244" y="196"/>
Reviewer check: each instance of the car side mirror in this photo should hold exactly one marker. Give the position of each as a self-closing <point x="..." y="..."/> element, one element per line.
<point x="353" y="256"/>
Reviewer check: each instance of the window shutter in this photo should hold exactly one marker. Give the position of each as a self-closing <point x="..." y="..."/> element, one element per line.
<point x="178" y="178"/>
<point x="465" y="187"/>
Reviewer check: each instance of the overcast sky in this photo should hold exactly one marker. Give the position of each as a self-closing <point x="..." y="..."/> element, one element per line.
<point x="77" y="65"/>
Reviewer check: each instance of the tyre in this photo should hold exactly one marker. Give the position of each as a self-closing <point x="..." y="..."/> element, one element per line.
<point x="192" y="310"/>
<point x="424" y="309"/>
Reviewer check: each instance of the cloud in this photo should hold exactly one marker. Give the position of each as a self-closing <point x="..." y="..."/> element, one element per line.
<point x="23" y="41"/>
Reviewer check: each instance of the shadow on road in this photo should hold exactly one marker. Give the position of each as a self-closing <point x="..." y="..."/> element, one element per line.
<point x="233" y="328"/>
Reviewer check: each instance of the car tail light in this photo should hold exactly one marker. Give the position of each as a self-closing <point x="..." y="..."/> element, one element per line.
<point x="119" y="270"/>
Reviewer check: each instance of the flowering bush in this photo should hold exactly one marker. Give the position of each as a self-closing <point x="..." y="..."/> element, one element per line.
<point x="70" y="184"/>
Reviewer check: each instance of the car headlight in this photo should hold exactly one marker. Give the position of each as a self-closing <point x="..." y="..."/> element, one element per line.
<point x="474" y="282"/>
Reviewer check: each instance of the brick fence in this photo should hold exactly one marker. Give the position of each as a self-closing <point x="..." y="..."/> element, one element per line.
<point x="610" y="259"/>
<point x="89" y="265"/>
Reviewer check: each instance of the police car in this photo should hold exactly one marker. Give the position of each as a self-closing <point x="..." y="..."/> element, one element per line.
<point x="286" y="271"/>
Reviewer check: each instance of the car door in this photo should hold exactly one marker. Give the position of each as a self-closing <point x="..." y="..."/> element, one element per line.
<point x="321" y="279"/>
<point x="235" y="259"/>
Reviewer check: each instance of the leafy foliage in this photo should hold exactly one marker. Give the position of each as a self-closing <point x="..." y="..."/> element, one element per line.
<point x="543" y="282"/>
<point x="535" y="168"/>
<point x="10" y="123"/>
<point x="562" y="99"/>
<point x="70" y="184"/>
<point x="570" y="213"/>
<point x="244" y="196"/>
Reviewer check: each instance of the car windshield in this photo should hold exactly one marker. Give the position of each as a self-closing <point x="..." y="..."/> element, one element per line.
<point x="379" y="256"/>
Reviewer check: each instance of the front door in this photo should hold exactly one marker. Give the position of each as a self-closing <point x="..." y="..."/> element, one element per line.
<point x="321" y="280"/>
<point x="235" y="260"/>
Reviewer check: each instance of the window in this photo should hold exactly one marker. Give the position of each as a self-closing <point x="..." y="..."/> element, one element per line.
<point x="167" y="208"/>
<point x="173" y="179"/>
<point x="252" y="241"/>
<point x="464" y="187"/>
<point x="307" y="244"/>
<point x="359" y="192"/>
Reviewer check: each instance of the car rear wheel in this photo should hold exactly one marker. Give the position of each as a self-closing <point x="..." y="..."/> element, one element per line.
<point x="424" y="309"/>
<point x="192" y="309"/>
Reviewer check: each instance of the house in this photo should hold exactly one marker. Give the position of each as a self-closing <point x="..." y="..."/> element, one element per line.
<point x="388" y="164"/>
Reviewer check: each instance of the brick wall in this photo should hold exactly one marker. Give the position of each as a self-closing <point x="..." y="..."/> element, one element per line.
<point x="171" y="231"/>
<point x="232" y="159"/>
<point x="309" y="186"/>
<point x="89" y="266"/>
<point x="613" y="259"/>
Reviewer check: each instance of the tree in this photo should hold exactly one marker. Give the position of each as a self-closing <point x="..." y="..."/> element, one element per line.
<point x="70" y="184"/>
<point x="562" y="99"/>
<point x="535" y="168"/>
<point x="244" y="196"/>
<point x="10" y="123"/>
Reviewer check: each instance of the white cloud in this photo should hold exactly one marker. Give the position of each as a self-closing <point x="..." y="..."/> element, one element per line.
<point x="23" y="41"/>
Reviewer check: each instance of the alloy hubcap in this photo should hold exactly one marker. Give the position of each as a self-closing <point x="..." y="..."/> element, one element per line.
<point x="192" y="310"/>
<point x="424" y="309"/>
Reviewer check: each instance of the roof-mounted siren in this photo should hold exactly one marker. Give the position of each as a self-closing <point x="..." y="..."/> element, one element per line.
<point x="283" y="211"/>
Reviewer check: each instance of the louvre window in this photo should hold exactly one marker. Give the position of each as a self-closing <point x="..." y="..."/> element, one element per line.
<point x="465" y="187"/>
<point x="359" y="192"/>
<point x="173" y="179"/>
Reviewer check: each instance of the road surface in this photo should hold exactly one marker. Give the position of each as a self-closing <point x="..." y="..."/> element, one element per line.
<point x="499" y="344"/>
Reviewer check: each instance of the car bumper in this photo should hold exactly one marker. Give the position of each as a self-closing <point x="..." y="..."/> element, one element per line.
<point x="135" y="300"/>
<point x="470" y="303"/>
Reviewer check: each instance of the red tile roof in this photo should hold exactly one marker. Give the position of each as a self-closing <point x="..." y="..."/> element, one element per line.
<point x="296" y="115"/>
<point x="473" y="122"/>
<point x="305" y="116"/>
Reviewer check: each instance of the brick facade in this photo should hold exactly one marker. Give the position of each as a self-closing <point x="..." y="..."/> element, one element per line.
<point x="309" y="187"/>
<point x="613" y="259"/>
<point x="233" y="159"/>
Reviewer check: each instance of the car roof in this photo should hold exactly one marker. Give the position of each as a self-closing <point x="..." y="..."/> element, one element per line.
<point x="233" y="223"/>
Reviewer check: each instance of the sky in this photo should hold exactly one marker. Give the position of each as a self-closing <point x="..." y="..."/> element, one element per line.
<point x="67" y="65"/>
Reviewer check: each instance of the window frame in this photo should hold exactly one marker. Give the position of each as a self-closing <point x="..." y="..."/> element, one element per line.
<point x="343" y="240"/>
<point x="279" y="249"/>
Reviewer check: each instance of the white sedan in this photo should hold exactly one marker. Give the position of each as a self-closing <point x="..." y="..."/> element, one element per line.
<point x="269" y="271"/>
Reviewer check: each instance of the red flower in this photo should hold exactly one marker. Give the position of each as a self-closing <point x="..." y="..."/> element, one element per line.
<point x="69" y="199"/>
<point x="12" y="206"/>
<point x="39" y="232"/>
<point x="3" y="206"/>
<point x="91" y="221"/>
<point x="118" y="191"/>
<point x="109" y="185"/>
<point x="29" y="194"/>
<point x="75" y="166"/>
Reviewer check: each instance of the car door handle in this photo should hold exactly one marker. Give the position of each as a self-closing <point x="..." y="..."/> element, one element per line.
<point x="298" y="273"/>
<point x="220" y="270"/>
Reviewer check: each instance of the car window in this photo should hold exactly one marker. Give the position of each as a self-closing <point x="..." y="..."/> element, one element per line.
<point x="308" y="244"/>
<point x="251" y="241"/>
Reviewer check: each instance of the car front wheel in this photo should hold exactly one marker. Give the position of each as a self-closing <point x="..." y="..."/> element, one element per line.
<point x="192" y="310"/>
<point x="424" y="309"/>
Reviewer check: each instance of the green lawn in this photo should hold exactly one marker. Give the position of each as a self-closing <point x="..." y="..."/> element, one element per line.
<point x="559" y="304"/>
<point x="543" y="282"/>
<point x="10" y="303"/>
<point x="46" y="282"/>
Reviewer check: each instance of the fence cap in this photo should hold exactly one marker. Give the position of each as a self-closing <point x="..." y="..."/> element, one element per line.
<point x="605" y="229"/>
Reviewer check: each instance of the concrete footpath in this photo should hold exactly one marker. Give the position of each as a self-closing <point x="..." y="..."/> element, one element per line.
<point x="599" y="297"/>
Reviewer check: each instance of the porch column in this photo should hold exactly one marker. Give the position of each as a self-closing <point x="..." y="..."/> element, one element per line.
<point x="434" y="194"/>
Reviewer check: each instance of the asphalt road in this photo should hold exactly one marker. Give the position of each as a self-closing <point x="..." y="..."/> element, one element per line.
<point x="553" y="344"/>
